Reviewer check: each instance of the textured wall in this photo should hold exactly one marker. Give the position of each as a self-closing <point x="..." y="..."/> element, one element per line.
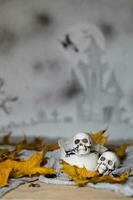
<point x="66" y="65"/>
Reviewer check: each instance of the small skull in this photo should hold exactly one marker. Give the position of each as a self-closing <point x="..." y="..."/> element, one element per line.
<point x="107" y="162"/>
<point x="82" y="143"/>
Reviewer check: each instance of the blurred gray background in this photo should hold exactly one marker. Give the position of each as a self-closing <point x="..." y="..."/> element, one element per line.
<point x="66" y="66"/>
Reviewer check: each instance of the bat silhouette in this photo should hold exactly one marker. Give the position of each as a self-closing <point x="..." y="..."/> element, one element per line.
<point x="67" y="43"/>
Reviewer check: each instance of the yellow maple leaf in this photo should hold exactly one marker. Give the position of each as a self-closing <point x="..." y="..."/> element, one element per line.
<point x="6" y="139"/>
<point x="37" y="144"/>
<point x="99" y="137"/>
<point x="4" y="175"/>
<point x="21" y="145"/>
<point x="110" y="179"/>
<point x="81" y="176"/>
<point x="7" y="154"/>
<point x="50" y="147"/>
<point x="121" y="151"/>
<point x="3" y="153"/>
<point x="5" y="170"/>
<point x="29" y="167"/>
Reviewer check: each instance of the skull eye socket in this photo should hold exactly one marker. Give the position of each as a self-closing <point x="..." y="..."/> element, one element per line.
<point x="110" y="162"/>
<point x="77" y="141"/>
<point x="85" y="140"/>
<point x="102" y="158"/>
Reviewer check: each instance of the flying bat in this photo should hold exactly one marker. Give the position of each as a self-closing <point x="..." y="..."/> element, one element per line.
<point x="67" y="43"/>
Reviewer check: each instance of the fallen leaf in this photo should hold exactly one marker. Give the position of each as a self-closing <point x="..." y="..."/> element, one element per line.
<point x="110" y="179"/>
<point x="121" y="151"/>
<point x="37" y="144"/>
<point x="50" y="147"/>
<point x="21" y="145"/>
<point x="81" y="176"/>
<point x="6" y="139"/>
<point x="6" y="154"/>
<point x="15" y="169"/>
<point x="31" y="167"/>
<point x="5" y="170"/>
<point x="4" y="175"/>
<point x="99" y="137"/>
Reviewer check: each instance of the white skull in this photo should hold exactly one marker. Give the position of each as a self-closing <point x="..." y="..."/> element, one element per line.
<point x="82" y="143"/>
<point x="107" y="162"/>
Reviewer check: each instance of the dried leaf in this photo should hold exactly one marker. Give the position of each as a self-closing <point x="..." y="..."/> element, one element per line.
<point x="31" y="167"/>
<point x="6" y="139"/>
<point x="81" y="176"/>
<point x="5" y="170"/>
<point x="3" y="152"/>
<point x="121" y="151"/>
<point x="99" y="137"/>
<point x="16" y="169"/>
<point x="6" y="154"/>
<point x="21" y="145"/>
<point x="110" y="179"/>
<point x="4" y="174"/>
<point x="37" y="144"/>
<point x="50" y="147"/>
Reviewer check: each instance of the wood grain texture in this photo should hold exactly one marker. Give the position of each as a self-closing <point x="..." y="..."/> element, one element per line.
<point x="61" y="192"/>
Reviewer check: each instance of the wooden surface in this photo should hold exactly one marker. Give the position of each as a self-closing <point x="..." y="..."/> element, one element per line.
<point x="61" y="192"/>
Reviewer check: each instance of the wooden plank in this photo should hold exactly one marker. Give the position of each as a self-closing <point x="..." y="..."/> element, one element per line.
<point x="61" y="192"/>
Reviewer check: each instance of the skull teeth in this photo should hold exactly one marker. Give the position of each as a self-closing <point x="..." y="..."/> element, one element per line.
<point x="102" y="168"/>
<point x="101" y="171"/>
